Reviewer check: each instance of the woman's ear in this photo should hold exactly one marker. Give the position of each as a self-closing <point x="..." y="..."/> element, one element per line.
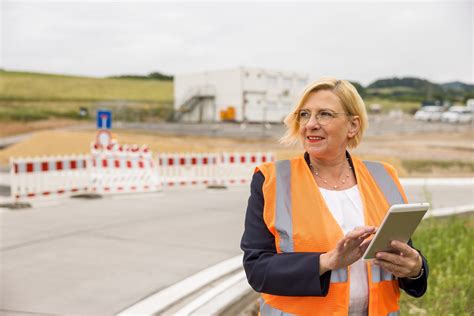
<point x="354" y="126"/>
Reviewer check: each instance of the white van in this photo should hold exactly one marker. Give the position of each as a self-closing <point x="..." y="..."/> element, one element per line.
<point x="458" y="114"/>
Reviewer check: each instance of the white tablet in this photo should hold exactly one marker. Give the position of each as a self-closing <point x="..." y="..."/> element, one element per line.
<point x="399" y="224"/>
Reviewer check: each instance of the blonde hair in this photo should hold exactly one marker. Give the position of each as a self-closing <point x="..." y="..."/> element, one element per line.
<point x="351" y="102"/>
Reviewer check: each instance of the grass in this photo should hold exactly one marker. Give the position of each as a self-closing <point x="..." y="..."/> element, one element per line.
<point x="387" y="104"/>
<point x="28" y="111"/>
<point x="45" y="87"/>
<point x="447" y="245"/>
<point x="391" y="90"/>
<point x="30" y="97"/>
<point x="428" y="166"/>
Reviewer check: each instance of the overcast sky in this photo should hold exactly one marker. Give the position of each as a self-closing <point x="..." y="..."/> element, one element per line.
<point x="361" y="41"/>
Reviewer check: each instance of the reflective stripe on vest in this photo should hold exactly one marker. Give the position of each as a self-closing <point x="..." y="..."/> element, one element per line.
<point x="339" y="275"/>
<point x="379" y="274"/>
<point x="283" y="222"/>
<point x="384" y="182"/>
<point x="393" y="196"/>
<point x="267" y="310"/>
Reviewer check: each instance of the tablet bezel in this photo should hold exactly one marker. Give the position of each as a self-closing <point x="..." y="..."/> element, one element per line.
<point x="420" y="208"/>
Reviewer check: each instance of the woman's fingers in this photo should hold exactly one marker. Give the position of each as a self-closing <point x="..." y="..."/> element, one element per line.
<point x="406" y="263"/>
<point x="403" y="248"/>
<point x="365" y="236"/>
<point x="348" y="249"/>
<point x="355" y="237"/>
<point x="364" y="245"/>
<point x="341" y="244"/>
<point x="398" y="271"/>
<point x="391" y="258"/>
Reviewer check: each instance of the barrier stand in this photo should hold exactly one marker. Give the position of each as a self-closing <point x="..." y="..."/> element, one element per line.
<point x="214" y="170"/>
<point x="45" y="177"/>
<point x="123" y="169"/>
<point x="188" y="169"/>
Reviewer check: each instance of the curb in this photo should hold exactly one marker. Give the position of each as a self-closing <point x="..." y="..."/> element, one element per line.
<point x="447" y="211"/>
<point x="437" y="181"/>
<point x="158" y="302"/>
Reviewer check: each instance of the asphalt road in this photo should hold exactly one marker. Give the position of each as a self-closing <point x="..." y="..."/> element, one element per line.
<point x="378" y="125"/>
<point x="97" y="257"/>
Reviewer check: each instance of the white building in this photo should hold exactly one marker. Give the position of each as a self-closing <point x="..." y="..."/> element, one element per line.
<point x="240" y="94"/>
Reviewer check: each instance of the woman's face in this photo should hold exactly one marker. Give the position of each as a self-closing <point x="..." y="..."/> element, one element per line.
<point x="327" y="141"/>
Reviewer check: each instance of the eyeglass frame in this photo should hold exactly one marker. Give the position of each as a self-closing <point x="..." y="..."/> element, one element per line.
<point x="317" y="116"/>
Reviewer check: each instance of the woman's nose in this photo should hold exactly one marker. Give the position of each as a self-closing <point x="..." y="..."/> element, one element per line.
<point x="313" y="123"/>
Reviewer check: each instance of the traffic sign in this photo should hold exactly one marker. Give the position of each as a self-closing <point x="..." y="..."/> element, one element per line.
<point x="104" y="119"/>
<point x="103" y="138"/>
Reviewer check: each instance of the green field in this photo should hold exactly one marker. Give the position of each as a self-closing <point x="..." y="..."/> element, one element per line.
<point x="388" y="104"/>
<point x="32" y="96"/>
<point x="391" y="90"/>
<point x="44" y="87"/>
<point x="447" y="245"/>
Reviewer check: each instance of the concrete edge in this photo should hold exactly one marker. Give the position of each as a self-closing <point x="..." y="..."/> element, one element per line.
<point x="437" y="181"/>
<point x="235" y="298"/>
<point x="159" y="301"/>
<point x="211" y="294"/>
<point x="446" y="211"/>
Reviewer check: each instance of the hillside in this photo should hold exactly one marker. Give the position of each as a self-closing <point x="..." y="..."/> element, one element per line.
<point x="416" y="89"/>
<point x="45" y="87"/>
<point x="35" y="96"/>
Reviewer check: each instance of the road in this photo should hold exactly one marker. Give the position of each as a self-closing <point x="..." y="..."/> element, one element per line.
<point x="97" y="257"/>
<point x="379" y="125"/>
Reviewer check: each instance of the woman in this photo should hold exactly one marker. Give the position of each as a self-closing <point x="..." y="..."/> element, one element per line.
<point x="309" y="218"/>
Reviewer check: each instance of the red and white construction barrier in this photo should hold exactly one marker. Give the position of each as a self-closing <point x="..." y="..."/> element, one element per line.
<point x="123" y="169"/>
<point x="49" y="176"/>
<point x="178" y="169"/>
<point x="209" y="168"/>
<point x="128" y="169"/>
<point x="238" y="168"/>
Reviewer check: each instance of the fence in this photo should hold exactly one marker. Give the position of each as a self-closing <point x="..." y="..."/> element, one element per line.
<point x="127" y="169"/>
<point x="194" y="169"/>
<point x="48" y="176"/>
<point x="123" y="169"/>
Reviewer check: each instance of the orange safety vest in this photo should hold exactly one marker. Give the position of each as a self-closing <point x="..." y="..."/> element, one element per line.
<point x="297" y="215"/>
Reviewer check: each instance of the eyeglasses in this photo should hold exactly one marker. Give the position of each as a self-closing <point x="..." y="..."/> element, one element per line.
<point x="323" y="117"/>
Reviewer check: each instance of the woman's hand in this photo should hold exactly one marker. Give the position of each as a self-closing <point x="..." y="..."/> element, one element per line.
<point x="348" y="250"/>
<point x="407" y="263"/>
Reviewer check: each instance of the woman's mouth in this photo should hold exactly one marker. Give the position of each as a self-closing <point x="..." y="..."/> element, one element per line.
<point x="314" y="139"/>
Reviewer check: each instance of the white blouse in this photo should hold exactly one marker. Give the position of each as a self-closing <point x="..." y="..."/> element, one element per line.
<point x="346" y="208"/>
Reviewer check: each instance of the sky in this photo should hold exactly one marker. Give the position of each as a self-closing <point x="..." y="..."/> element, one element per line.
<point x="355" y="40"/>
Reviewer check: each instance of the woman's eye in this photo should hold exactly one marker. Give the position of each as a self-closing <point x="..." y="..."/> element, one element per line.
<point x="304" y="114"/>
<point x="326" y="114"/>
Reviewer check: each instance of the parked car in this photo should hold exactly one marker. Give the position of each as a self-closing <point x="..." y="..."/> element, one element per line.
<point x="457" y="114"/>
<point x="429" y="113"/>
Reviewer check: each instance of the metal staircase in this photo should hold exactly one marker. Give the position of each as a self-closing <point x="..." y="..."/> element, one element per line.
<point x="193" y="99"/>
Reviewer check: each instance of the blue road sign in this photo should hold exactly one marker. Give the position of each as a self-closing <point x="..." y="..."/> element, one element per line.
<point x="104" y="119"/>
